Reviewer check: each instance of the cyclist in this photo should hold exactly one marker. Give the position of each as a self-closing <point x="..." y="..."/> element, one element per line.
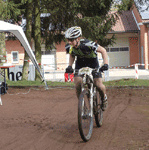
<point x="86" y="56"/>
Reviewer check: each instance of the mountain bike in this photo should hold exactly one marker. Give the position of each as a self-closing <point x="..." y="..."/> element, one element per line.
<point x="89" y="105"/>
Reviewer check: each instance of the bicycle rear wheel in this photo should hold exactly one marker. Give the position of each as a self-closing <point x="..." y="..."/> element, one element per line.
<point x="98" y="113"/>
<point x="85" y="120"/>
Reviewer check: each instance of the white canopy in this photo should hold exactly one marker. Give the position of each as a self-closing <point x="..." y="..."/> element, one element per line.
<point x="19" y="33"/>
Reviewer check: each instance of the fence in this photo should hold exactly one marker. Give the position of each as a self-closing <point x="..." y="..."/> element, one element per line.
<point x="15" y="73"/>
<point x="59" y="76"/>
<point x="131" y="71"/>
<point x="137" y="70"/>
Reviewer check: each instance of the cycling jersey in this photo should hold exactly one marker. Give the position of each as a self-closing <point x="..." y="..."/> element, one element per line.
<point x="86" y="49"/>
<point x="86" y="54"/>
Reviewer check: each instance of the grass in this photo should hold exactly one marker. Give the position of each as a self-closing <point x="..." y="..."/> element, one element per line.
<point x="127" y="82"/>
<point x="122" y="82"/>
<point x="38" y="83"/>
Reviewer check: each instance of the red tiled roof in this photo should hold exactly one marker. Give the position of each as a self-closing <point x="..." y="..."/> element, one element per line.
<point x="125" y="23"/>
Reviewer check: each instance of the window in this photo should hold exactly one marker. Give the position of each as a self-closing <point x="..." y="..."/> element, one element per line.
<point x="15" y="58"/>
<point x="107" y="49"/>
<point x="124" y="49"/>
<point x="117" y="49"/>
<point x="114" y="49"/>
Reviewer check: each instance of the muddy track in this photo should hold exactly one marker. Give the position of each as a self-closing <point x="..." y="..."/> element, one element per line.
<point x="47" y="120"/>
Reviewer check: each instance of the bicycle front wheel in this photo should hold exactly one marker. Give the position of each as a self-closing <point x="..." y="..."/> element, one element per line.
<point x="85" y="119"/>
<point x="98" y="111"/>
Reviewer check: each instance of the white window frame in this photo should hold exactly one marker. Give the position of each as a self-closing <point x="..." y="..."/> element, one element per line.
<point x="117" y="48"/>
<point x="15" y="62"/>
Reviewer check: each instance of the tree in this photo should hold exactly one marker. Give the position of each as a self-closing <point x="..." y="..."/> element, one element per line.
<point x="2" y="9"/>
<point x="92" y="15"/>
<point x="28" y="12"/>
<point x="123" y="5"/>
<point x="2" y="48"/>
<point x="62" y="14"/>
<point x="97" y="20"/>
<point x="37" y="34"/>
<point x="2" y="35"/>
<point x="10" y="10"/>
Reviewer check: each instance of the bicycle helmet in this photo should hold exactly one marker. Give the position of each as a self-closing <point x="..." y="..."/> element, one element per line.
<point x="73" y="32"/>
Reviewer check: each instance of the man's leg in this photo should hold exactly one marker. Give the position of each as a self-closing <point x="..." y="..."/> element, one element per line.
<point x="78" y="85"/>
<point x="102" y="90"/>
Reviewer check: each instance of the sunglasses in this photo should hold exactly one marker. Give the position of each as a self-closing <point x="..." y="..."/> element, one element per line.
<point x="71" y="40"/>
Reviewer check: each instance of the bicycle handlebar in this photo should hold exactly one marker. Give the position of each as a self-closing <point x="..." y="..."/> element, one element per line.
<point x="91" y="69"/>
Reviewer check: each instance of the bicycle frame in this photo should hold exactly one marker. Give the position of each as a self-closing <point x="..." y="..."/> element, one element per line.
<point x="88" y="96"/>
<point x="88" y="79"/>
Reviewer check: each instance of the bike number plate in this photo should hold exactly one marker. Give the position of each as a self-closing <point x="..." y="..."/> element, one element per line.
<point x="85" y="70"/>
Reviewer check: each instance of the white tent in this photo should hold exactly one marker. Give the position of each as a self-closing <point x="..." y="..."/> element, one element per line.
<point x="19" y="33"/>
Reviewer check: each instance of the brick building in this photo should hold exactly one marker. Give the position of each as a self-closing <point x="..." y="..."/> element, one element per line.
<point x="142" y="21"/>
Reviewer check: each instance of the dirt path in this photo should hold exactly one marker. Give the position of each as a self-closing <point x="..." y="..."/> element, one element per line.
<point x="47" y="120"/>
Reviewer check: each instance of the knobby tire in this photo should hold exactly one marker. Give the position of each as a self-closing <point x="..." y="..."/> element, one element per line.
<point x="98" y="111"/>
<point x="81" y="126"/>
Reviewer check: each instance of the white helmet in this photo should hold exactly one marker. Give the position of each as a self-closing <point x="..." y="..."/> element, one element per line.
<point x="73" y="32"/>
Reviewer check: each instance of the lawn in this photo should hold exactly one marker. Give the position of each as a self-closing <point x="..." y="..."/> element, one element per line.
<point x="122" y="82"/>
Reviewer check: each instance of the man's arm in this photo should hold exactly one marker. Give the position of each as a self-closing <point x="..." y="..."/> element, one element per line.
<point x="69" y="69"/>
<point x="104" y="54"/>
<point x="71" y="60"/>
